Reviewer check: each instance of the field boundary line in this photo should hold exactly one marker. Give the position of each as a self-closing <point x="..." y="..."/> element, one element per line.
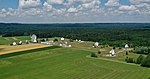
<point x="112" y="60"/>
<point x="27" y="51"/>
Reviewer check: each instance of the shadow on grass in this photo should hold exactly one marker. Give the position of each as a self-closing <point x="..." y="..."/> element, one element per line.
<point x="27" y="51"/>
<point x="1" y="49"/>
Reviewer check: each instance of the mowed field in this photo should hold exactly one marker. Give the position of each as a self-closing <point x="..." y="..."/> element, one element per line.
<point x="4" y="49"/>
<point x="66" y="63"/>
<point x="9" y="40"/>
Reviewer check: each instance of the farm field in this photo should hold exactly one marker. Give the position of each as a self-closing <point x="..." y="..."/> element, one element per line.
<point x="67" y="63"/>
<point x="4" y="49"/>
<point x="9" y="40"/>
<point x="74" y="39"/>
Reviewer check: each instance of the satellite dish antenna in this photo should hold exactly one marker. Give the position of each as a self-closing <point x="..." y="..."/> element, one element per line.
<point x="112" y="52"/>
<point x="96" y="44"/>
<point x="34" y="38"/>
<point x="14" y="43"/>
<point x="62" y="39"/>
<point x="126" y="46"/>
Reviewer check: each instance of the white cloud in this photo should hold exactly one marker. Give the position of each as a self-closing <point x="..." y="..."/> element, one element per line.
<point x="93" y="4"/>
<point x="139" y="1"/>
<point x="11" y="9"/>
<point x="47" y="6"/>
<point x="112" y="3"/>
<point x="7" y="12"/>
<point x="30" y="13"/>
<point x="34" y="11"/>
<point x="127" y="8"/>
<point x="60" y="11"/>
<point x="72" y="10"/>
<point x="55" y="1"/>
<point x="143" y="5"/>
<point x="29" y="3"/>
<point x="69" y="2"/>
<point x="3" y="10"/>
<point x="82" y="1"/>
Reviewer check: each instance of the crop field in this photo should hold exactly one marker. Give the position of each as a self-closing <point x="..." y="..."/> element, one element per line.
<point x="8" y="49"/>
<point x="66" y="63"/>
<point x="9" y="40"/>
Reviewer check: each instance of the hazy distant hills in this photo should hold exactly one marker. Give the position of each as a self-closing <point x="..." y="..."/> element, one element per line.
<point x="91" y="25"/>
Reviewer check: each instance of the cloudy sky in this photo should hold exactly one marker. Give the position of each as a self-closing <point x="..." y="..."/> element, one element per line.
<point x="56" y="11"/>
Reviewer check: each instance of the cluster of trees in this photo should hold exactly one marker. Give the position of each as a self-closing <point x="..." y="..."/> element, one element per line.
<point x="96" y="55"/>
<point x="113" y="34"/>
<point x="146" y="61"/>
<point x="93" y="55"/>
<point x="142" y="50"/>
<point x="46" y="39"/>
<point x="143" y="61"/>
<point x="129" y="60"/>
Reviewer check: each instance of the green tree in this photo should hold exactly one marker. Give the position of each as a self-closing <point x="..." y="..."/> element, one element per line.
<point x="140" y="59"/>
<point x="149" y="50"/>
<point x="46" y="39"/>
<point x="93" y="55"/>
<point x="129" y="60"/>
<point x="146" y="62"/>
<point x="55" y="40"/>
<point x="99" y="52"/>
<point x="141" y="50"/>
<point x="114" y="47"/>
<point x="42" y="40"/>
<point x="126" y="53"/>
<point x="71" y="40"/>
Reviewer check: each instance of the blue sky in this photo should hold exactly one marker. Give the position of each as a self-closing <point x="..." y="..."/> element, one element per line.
<point x="56" y="11"/>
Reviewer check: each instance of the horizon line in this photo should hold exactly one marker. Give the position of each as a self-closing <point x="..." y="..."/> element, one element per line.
<point x="67" y="22"/>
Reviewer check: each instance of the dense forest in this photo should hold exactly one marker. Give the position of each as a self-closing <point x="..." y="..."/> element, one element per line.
<point x="115" y="34"/>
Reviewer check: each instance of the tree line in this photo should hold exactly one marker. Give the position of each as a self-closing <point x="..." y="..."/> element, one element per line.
<point x="141" y="60"/>
<point x="113" y="34"/>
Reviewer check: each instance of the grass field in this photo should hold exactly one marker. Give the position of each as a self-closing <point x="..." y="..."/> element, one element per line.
<point x="4" y="49"/>
<point x="9" y="40"/>
<point x="67" y="63"/>
<point x="36" y="61"/>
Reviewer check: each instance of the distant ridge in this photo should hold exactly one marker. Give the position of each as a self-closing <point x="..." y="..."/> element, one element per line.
<point x="83" y="23"/>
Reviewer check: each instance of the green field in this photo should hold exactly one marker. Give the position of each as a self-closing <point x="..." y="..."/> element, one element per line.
<point x="8" y="40"/>
<point x="66" y="63"/>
